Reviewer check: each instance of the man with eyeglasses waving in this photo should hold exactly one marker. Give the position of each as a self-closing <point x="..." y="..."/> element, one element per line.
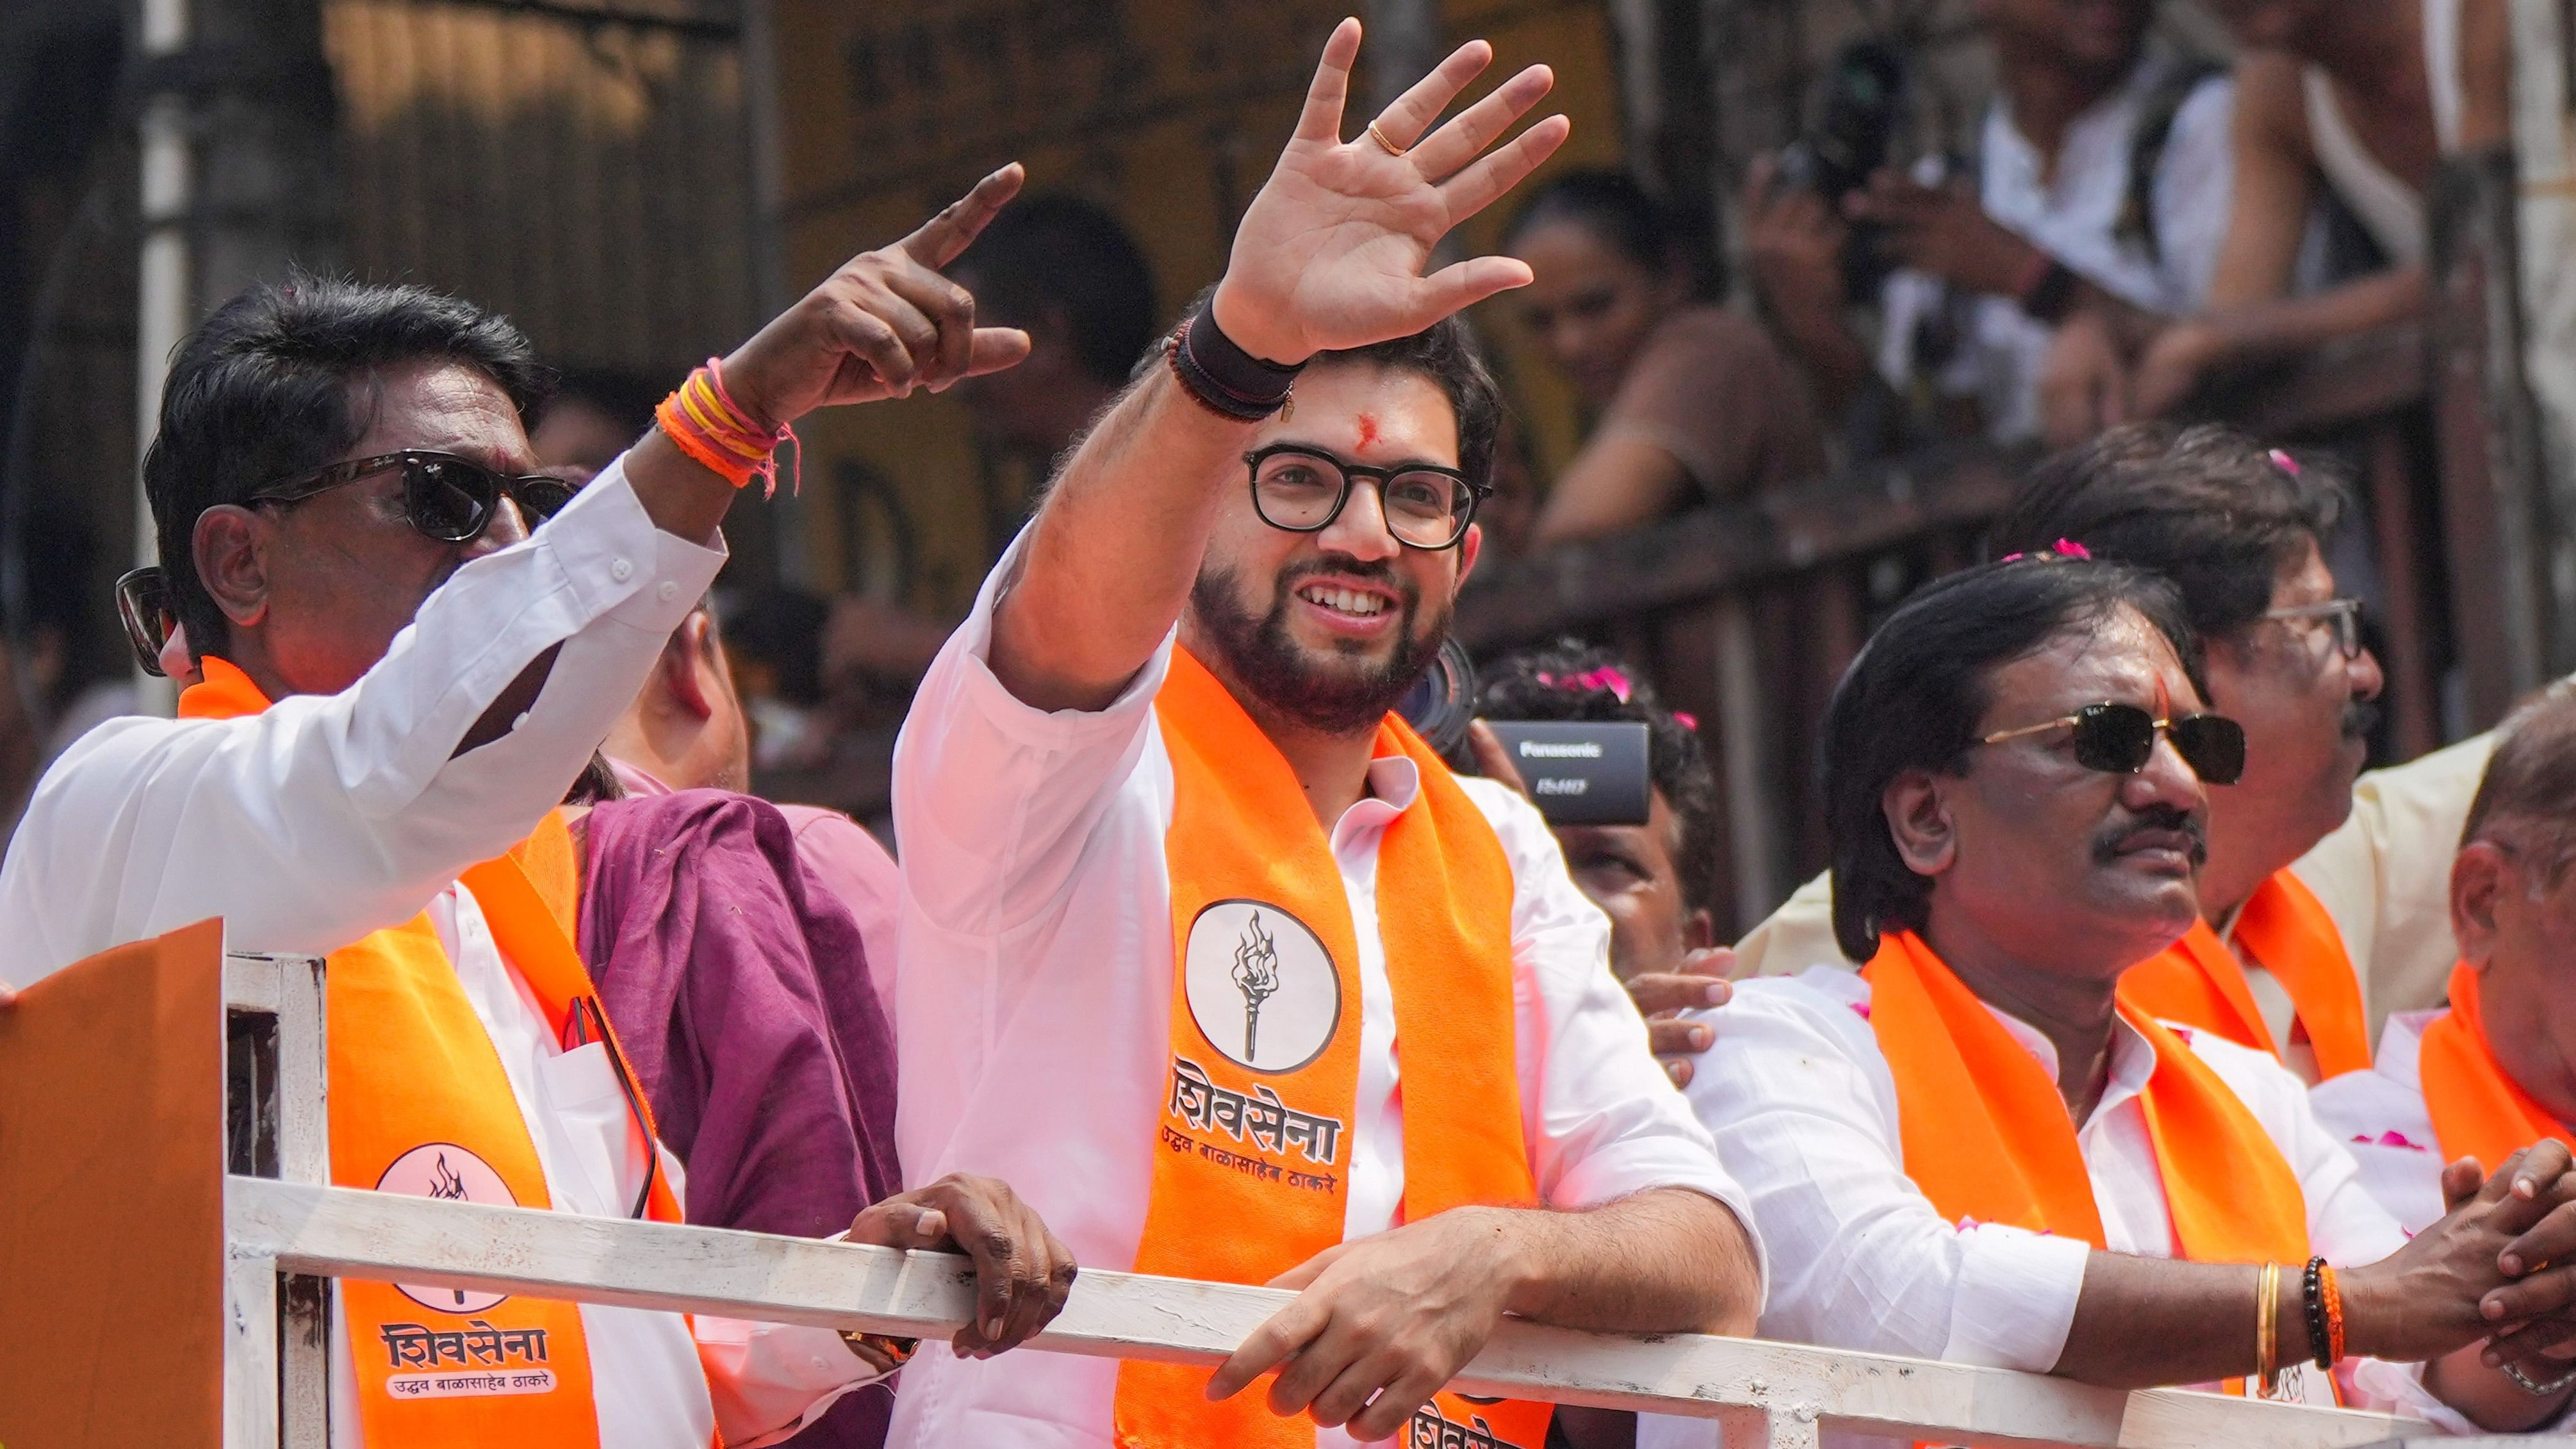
<point x="1980" y="1149"/>
<point x="1209" y="953"/>
<point x="401" y="676"/>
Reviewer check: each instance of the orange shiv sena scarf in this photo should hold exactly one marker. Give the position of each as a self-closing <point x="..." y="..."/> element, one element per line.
<point x="1251" y="1159"/>
<point x="1987" y="1137"/>
<point x="2478" y="1110"/>
<point x="2199" y="982"/>
<point x="420" y="1104"/>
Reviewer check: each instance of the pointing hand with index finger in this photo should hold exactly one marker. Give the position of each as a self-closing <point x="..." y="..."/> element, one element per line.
<point x="883" y="325"/>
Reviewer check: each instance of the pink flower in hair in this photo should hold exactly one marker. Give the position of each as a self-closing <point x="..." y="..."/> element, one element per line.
<point x="1608" y="677"/>
<point x="2063" y="548"/>
<point x="2282" y="460"/>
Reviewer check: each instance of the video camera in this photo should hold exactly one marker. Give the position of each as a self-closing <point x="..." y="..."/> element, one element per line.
<point x="1579" y="772"/>
<point x="1859" y="106"/>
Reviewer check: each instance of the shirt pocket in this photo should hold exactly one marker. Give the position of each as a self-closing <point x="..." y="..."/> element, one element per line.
<point x="594" y="1127"/>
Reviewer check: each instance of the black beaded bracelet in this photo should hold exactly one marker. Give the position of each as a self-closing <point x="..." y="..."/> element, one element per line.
<point x="1224" y="377"/>
<point x="2312" y="1289"/>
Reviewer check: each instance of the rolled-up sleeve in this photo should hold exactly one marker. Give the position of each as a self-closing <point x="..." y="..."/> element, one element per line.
<point x="994" y="799"/>
<point x="1602" y="1119"/>
<point x="1804" y="1114"/>
<point x="329" y="816"/>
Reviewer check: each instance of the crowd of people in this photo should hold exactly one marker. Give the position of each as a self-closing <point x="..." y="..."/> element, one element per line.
<point x="2134" y="1035"/>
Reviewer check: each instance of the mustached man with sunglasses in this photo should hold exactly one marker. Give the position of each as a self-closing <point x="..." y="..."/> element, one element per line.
<point x="402" y="675"/>
<point x="1202" y="947"/>
<point x="1978" y="1149"/>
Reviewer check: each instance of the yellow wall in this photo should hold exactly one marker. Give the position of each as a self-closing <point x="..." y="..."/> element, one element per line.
<point x="1168" y="112"/>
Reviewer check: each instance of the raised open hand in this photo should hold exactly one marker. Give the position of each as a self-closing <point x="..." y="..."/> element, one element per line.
<point x="1330" y="254"/>
<point x="885" y="323"/>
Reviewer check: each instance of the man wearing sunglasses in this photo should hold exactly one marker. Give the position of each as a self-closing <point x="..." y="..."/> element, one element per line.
<point x="1202" y="947"/>
<point x="411" y="644"/>
<point x="2323" y="896"/>
<point x="1976" y="1148"/>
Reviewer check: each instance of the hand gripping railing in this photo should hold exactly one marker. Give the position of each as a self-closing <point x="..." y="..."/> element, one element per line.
<point x="286" y="1234"/>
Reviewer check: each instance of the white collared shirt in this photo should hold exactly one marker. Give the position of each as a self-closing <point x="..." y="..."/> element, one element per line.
<point x="2072" y="211"/>
<point x="325" y="818"/>
<point x="2380" y="1117"/>
<point x="1804" y="1110"/>
<point x="1033" y="998"/>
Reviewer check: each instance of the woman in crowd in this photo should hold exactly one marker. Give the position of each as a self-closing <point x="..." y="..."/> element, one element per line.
<point x="1688" y="402"/>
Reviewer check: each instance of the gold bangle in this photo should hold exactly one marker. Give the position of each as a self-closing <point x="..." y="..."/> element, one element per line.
<point x="2267" y="1308"/>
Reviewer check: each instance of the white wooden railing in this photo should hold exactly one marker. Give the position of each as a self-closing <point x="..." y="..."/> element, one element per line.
<point x="287" y="1235"/>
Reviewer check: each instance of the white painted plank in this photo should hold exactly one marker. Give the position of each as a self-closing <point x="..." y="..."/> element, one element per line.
<point x="791" y="1280"/>
<point x="250" y="1353"/>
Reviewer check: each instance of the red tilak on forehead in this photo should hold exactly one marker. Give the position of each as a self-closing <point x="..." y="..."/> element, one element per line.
<point x="1368" y="431"/>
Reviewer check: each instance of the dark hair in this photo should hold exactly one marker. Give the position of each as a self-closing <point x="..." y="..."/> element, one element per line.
<point x="1445" y="352"/>
<point x="1540" y="684"/>
<point x="2207" y="507"/>
<point x="1626" y="216"/>
<point x="268" y="387"/>
<point x="1062" y="251"/>
<point x="2527" y="799"/>
<point x="1609" y="204"/>
<point x="783" y="629"/>
<point x="1914" y="696"/>
<point x="623" y="398"/>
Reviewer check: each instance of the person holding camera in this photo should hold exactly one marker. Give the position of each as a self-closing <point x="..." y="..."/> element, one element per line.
<point x="2357" y="101"/>
<point x="1654" y="874"/>
<point x="1688" y="402"/>
<point x="2103" y="173"/>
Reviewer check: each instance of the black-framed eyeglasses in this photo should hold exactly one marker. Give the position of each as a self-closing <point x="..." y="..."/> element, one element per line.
<point x="2344" y="613"/>
<point x="1303" y="489"/>
<point x="448" y="498"/>
<point x="2119" y="739"/>
<point x="143" y="606"/>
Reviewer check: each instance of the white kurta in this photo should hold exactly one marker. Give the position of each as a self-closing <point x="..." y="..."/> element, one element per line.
<point x="326" y="818"/>
<point x="2382" y="1120"/>
<point x="1033" y="999"/>
<point x="1803" y="1108"/>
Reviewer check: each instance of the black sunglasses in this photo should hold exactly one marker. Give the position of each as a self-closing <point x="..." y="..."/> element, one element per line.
<point x="448" y="498"/>
<point x="2119" y="739"/>
<point x="143" y="606"/>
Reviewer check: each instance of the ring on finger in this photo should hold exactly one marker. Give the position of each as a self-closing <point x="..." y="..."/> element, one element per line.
<point x="1380" y="137"/>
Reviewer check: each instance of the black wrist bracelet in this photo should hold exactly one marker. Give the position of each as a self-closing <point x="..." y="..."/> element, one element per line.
<point x="2054" y="296"/>
<point x="1219" y="373"/>
<point x="2312" y="1294"/>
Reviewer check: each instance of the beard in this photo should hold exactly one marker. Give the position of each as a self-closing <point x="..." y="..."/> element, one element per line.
<point x="1289" y="679"/>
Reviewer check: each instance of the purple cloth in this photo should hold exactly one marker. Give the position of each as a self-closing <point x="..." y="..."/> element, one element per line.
<point x="739" y="987"/>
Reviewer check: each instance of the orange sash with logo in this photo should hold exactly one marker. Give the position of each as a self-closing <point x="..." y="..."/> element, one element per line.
<point x="1252" y="1152"/>
<point x="2199" y="982"/>
<point x="421" y="1104"/>
<point x="2477" y="1109"/>
<point x="1987" y="1136"/>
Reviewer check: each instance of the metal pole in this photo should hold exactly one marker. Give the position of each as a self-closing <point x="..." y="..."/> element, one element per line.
<point x="164" y="304"/>
<point x="1402" y="45"/>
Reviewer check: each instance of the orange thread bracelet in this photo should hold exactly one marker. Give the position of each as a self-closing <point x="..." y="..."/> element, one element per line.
<point x="701" y="419"/>
<point x="2334" y="1316"/>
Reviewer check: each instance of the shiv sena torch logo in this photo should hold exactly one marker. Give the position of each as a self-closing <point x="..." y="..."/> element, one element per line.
<point x="1261" y="986"/>
<point x="450" y="1173"/>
